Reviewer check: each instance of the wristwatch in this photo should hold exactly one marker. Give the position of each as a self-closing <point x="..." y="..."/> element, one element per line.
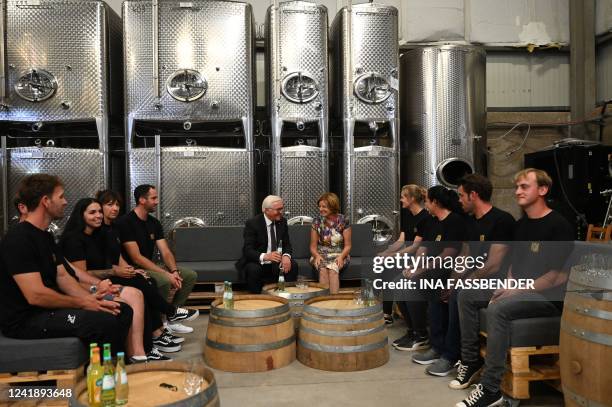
<point x="93" y="289"/>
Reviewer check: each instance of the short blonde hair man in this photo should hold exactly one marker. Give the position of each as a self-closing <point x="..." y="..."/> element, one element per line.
<point x="542" y="177"/>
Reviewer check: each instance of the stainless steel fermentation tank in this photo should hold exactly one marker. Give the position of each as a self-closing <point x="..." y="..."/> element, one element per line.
<point x="443" y="112"/>
<point x="58" y="59"/>
<point x="365" y="42"/>
<point x="297" y="90"/>
<point x="190" y="102"/>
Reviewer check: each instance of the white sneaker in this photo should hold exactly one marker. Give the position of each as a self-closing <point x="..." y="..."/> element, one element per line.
<point x="176" y="327"/>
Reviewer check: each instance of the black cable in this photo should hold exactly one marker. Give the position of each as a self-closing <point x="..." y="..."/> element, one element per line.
<point x="579" y="215"/>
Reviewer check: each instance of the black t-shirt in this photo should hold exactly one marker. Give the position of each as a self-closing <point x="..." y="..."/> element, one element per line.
<point x="410" y="224"/>
<point x="112" y="241"/>
<point x="495" y="226"/>
<point x="541" y="245"/>
<point x="91" y="248"/>
<point x="25" y="249"/>
<point x="451" y="232"/>
<point x="144" y="233"/>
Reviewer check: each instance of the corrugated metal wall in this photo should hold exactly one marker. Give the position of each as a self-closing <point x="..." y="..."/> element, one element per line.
<point x="604" y="72"/>
<point x="527" y="80"/>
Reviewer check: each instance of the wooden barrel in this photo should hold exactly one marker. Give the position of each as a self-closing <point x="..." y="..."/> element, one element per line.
<point x="256" y="336"/>
<point x="144" y="380"/>
<point x="337" y="334"/>
<point x="586" y="338"/>
<point x="297" y="296"/>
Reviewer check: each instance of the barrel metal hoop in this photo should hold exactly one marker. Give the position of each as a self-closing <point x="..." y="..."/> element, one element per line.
<point x="209" y="393"/>
<point x="372" y="318"/>
<point x="214" y="319"/>
<point x="361" y="332"/>
<point x="593" y="293"/>
<point x="590" y="312"/>
<point x="299" y="296"/>
<point x="256" y="313"/>
<point x="251" y="348"/>
<point x="595" y="337"/>
<point x="343" y="349"/>
<point x="329" y="312"/>
<point x="581" y="401"/>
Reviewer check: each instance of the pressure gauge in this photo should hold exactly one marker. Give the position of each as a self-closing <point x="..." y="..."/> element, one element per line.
<point x="299" y="87"/>
<point x="372" y="88"/>
<point x="186" y="85"/>
<point x="36" y="85"/>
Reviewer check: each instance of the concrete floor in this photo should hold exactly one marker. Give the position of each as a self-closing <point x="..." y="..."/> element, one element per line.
<point x="398" y="383"/>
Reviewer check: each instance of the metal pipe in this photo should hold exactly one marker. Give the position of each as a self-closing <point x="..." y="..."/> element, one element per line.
<point x="2" y="63"/>
<point x="158" y="170"/>
<point x="4" y="169"/>
<point x="155" y="25"/>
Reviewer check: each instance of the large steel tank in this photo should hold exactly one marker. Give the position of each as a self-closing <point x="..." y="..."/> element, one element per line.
<point x="298" y="104"/>
<point x="443" y="113"/>
<point x="365" y="41"/>
<point x="58" y="59"/>
<point x="190" y="101"/>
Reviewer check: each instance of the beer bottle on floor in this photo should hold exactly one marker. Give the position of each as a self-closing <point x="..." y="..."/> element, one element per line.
<point x="281" y="275"/>
<point x="92" y="346"/>
<point x="108" y="380"/>
<point x="94" y="380"/>
<point x="121" y="381"/>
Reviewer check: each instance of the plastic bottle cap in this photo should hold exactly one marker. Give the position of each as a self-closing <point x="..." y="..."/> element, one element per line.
<point x="120" y="354"/>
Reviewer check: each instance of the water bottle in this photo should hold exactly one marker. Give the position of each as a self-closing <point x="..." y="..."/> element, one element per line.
<point x="228" y="296"/>
<point x="121" y="381"/>
<point x="281" y="275"/>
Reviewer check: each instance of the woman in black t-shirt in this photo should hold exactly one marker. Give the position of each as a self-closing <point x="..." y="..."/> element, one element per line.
<point x="88" y="247"/>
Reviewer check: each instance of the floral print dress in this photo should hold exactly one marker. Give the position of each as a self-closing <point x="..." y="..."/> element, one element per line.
<point x="331" y="240"/>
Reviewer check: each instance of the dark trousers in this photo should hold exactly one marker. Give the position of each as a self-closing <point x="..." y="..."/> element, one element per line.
<point x="257" y="275"/>
<point x="499" y="318"/>
<point x="451" y="346"/>
<point x="89" y="326"/>
<point x="155" y="304"/>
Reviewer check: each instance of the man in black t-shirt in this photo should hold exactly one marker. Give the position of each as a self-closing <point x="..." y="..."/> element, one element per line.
<point x="38" y="298"/>
<point x="543" y="240"/>
<point x="140" y="233"/>
<point x="489" y="230"/>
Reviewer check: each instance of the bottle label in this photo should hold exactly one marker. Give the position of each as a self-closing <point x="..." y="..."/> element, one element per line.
<point x="108" y="382"/>
<point x="123" y="377"/>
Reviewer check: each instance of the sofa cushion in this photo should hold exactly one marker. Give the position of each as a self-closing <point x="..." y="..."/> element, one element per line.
<point x="541" y="331"/>
<point x="300" y="241"/>
<point x="27" y="355"/>
<point x="361" y="239"/>
<point x="216" y="243"/>
<point x="213" y="271"/>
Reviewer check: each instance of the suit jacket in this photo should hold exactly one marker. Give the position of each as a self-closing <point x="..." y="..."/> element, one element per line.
<point x="256" y="239"/>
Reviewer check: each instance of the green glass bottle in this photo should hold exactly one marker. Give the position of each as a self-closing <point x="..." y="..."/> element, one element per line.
<point x="108" y="380"/>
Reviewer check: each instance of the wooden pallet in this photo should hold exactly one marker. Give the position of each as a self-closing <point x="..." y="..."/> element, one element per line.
<point x="64" y="379"/>
<point x="528" y="364"/>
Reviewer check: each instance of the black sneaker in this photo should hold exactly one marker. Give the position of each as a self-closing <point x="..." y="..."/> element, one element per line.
<point x="183" y="315"/>
<point x="481" y="397"/>
<point x="466" y="375"/>
<point x="173" y="338"/>
<point x="155" y="356"/>
<point x="388" y="319"/>
<point x="164" y="344"/>
<point x="413" y="343"/>
<point x="409" y="335"/>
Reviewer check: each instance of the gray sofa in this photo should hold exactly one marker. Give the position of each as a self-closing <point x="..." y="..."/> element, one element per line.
<point x="213" y="251"/>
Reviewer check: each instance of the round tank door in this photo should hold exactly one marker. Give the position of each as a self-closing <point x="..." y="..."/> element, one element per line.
<point x="300" y="220"/>
<point x="382" y="228"/>
<point x="36" y="85"/>
<point x="451" y="170"/>
<point x="186" y="85"/>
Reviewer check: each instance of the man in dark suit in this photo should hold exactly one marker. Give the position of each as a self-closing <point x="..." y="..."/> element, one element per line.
<point x="264" y="237"/>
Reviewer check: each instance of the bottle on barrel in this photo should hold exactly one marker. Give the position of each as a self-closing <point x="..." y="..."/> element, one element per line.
<point x="281" y="275"/>
<point x="121" y="381"/>
<point x="92" y="346"/>
<point x="228" y="296"/>
<point x="95" y="373"/>
<point x="108" y="379"/>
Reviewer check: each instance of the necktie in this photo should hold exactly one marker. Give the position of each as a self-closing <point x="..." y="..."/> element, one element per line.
<point x="273" y="243"/>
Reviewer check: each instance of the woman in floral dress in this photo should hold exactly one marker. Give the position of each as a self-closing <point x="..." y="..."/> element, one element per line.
<point x="330" y="241"/>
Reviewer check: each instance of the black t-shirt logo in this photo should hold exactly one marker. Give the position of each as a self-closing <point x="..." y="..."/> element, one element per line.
<point x="54" y="258"/>
<point x="482" y="238"/>
<point x="152" y="236"/>
<point x="438" y="238"/>
<point x="535" y="247"/>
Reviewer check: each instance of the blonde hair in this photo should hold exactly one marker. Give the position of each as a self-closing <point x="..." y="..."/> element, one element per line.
<point x="416" y="192"/>
<point x="542" y="177"/>
<point x="269" y="201"/>
<point x="332" y="200"/>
